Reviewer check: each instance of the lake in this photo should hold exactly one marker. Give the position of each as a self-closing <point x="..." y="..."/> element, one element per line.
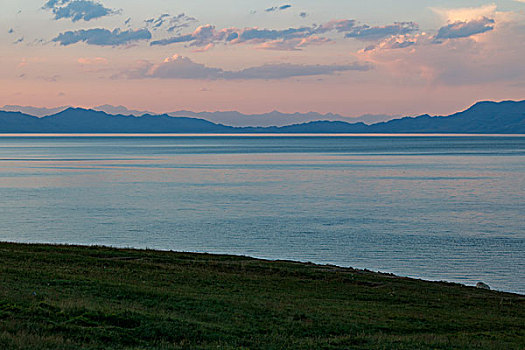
<point x="432" y="207"/>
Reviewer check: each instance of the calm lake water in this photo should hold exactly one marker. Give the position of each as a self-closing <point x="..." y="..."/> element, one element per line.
<point x="439" y="208"/>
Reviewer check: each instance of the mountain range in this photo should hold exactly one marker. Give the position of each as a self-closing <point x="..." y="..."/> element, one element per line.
<point x="507" y="117"/>
<point x="232" y="118"/>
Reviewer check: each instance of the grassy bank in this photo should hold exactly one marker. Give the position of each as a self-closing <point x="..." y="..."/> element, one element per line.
<point x="65" y="297"/>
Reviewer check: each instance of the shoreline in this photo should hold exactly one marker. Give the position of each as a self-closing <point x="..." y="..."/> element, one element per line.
<point x="261" y="259"/>
<point x="253" y="135"/>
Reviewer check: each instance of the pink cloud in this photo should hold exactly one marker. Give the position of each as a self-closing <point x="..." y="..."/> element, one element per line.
<point x="180" y="67"/>
<point x="293" y="44"/>
<point x="458" y="59"/>
<point x="92" y="61"/>
<point x="205" y="48"/>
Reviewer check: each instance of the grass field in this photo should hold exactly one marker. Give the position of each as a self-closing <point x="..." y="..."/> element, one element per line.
<point x="69" y="297"/>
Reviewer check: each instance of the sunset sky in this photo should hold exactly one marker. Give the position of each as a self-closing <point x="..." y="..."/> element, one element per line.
<point x="344" y="56"/>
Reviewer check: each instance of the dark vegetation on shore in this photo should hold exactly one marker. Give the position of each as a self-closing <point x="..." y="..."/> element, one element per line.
<point x="68" y="297"/>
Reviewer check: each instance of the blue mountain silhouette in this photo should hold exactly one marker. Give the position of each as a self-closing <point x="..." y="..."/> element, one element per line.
<point x="507" y="117"/>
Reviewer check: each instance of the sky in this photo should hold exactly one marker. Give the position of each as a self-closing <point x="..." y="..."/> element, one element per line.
<point x="352" y="57"/>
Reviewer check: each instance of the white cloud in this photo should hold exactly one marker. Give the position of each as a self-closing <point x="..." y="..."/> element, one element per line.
<point x="466" y="14"/>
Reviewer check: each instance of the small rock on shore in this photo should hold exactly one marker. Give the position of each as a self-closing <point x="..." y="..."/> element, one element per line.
<point x="482" y="285"/>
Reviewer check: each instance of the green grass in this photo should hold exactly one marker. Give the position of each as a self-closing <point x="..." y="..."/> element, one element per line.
<point x="69" y="297"/>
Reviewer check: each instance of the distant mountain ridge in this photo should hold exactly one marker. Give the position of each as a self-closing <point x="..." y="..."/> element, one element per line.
<point x="232" y="118"/>
<point x="276" y="118"/>
<point x="78" y="120"/>
<point x="507" y="117"/>
<point x="34" y="111"/>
